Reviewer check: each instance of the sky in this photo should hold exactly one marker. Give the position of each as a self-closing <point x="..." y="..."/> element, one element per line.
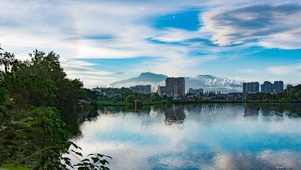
<point x="103" y="41"/>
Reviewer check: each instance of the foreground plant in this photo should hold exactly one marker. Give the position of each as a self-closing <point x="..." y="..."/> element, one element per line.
<point x="39" y="140"/>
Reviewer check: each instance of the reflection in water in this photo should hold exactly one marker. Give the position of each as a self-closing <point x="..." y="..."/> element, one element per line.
<point x="212" y="136"/>
<point x="251" y="109"/>
<point x="174" y="114"/>
<point x="268" y="110"/>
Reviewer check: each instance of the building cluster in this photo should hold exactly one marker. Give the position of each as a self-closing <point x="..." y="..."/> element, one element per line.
<point x="173" y="87"/>
<point x="251" y="87"/>
<point x="266" y="87"/>
<point x="195" y="92"/>
<point x="143" y="89"/>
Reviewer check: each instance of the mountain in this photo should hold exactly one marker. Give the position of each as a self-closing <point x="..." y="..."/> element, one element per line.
<point x="143" y="79"/>
<point x="206" y="82"/>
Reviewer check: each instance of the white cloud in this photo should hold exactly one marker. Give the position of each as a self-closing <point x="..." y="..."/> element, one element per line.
<point x="175" y="35"/>
<point x="247" y="71"/>
<point x="284" y="69"/>
<point x="122" y="29"/>
<point x="176" y="64"/>
<point x="84" y="71"/>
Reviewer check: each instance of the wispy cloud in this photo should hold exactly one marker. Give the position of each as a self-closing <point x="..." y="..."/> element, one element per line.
<point x="267" y="25"/>
<point x="85" y="71"/>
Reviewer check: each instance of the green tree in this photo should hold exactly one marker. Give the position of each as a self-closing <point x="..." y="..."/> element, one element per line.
<point x="292" y="93"/>
<point x="34" y="94"/>
<point x="298" y="95"/>
<point x="7" y="60"/>
<point x="130" y="99"/>
<point x="3" y="95"/>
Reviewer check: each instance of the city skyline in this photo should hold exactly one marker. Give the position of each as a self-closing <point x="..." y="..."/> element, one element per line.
<point x="101" y="42"/>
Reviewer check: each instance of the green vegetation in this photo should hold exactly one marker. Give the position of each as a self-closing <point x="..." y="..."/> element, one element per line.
<point x="125" y="97"/>
<point x="293" y="94"/>
<point x="34" y="96"/>
<point x="288" y="95"/>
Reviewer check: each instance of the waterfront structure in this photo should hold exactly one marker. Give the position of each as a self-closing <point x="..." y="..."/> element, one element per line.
<point x="137" y="104"/>
<point x="143" y="89"/>
<point x="250" y="87"/>
<point x="174" y="86"/>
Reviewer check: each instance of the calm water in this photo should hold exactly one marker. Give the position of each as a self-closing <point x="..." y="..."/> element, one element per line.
<point x="209" y="136"/>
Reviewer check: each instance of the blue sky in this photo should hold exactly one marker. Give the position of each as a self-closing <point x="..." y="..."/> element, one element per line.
<point x="105" y="41"/>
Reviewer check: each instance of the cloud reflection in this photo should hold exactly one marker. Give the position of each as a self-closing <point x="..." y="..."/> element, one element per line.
<point x="213" y="136"/>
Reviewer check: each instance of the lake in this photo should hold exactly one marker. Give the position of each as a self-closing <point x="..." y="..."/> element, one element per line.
<point x="199" y="136"/>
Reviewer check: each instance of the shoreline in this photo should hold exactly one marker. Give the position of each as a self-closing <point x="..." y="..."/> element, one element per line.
<point x="111" y="103"/>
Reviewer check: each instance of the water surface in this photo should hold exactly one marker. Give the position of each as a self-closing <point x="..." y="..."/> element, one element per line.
<point x="207" y="136"/>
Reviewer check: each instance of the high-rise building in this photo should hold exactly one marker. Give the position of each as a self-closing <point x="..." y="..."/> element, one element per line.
<point x="174" y="86"/>
<point x="245" y="88"/>
<point x="268" y="87"/>
<point x="251" y="87"/>
<point x="278" y="86"/>
<point x="256" y="86"/>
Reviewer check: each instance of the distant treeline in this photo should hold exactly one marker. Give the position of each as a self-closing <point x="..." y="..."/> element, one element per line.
<point x="292" y="94"/>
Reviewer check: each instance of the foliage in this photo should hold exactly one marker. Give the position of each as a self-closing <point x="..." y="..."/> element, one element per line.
<point x="40" y="81"/>
<point x="4" y="94"/>
<point x="34" y="96"/>
<point x="42" y="140"/>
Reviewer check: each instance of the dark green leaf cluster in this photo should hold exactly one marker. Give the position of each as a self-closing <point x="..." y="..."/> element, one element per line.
<point x="93" y="161"/>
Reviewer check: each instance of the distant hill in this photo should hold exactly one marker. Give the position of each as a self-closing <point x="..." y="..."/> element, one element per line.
<point x="206" y="82"/>
<point x="143" y="79"/>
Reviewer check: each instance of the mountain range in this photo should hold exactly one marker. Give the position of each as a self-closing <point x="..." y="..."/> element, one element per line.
<point x="206" y="82"/>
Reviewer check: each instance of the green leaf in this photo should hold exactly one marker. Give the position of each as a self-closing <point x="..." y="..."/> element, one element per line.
<point x="95" y="159"/>
<point x="103" y="161"/>
<point x="77" y="153"/>
<point x="85" y="160"/>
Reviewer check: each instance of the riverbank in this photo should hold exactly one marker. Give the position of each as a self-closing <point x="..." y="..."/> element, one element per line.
<point x="230" y="101"/>
<point x="113" y="103"/>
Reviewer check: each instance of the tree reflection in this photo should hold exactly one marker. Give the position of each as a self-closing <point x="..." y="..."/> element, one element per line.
<point x="294" y="110"/>
<point x="251" y="109"/>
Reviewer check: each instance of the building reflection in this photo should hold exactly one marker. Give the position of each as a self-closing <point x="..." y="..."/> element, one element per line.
<point x="174" y="115"/>
<point x="269" y="111"/>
